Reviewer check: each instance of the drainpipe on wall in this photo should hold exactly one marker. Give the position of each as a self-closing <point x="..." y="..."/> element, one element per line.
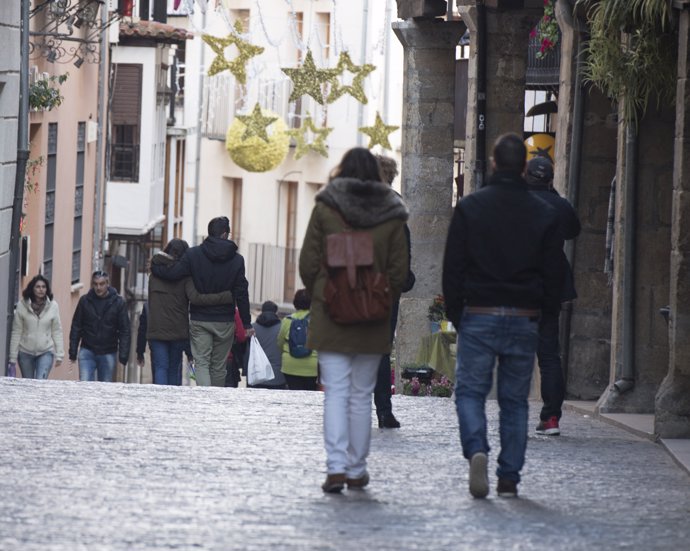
<point x="626" y="379"/>
<point x="480" y="161"/>
<point x="98" y="234"/>
<point x="200" y="114"/>
<point x="22" y="158"/>
<point x="363" y="60"/>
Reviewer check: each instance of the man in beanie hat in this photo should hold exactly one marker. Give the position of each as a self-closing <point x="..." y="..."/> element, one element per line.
<point x="539" y="176"/>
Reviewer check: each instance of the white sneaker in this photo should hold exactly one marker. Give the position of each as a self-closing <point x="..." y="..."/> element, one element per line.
<point x="479" y="480"/>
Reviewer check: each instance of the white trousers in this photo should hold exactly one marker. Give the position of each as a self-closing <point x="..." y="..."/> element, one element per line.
<point x="348" y="381"/>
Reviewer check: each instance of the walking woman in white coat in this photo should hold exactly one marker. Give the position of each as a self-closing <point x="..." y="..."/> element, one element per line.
<point x="36" y="331"/>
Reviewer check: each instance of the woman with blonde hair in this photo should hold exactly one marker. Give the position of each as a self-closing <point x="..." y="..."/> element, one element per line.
<point x="36" y="331"/>
<point x="355" y="199"/>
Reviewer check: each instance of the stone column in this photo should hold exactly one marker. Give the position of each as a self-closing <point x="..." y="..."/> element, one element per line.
<point x="672" y="404"/>
<point x="427" y="164"/>
<point x="506" y="43"/>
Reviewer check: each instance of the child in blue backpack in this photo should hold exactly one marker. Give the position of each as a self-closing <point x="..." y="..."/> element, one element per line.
<point x="299" y="363"/>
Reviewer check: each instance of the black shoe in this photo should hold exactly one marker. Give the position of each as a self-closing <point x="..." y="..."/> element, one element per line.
<point x="388" y="421"/>
<point x="506" y="488"/>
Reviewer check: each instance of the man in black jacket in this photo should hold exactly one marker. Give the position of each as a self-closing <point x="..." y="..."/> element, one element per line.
<point x="502" y="268"/>
<point x="215" y="266"/>
<point x="101" y="324"/>
<point x="539" y="177"/>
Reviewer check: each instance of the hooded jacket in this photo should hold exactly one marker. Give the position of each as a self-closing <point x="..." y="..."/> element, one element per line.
<point x="372" y="206"/>
<point x="266" y="328"/>
<point x="169" y="303"/>
<point x="503" y="249"/>
<point x="215" y="266"/>
<point x="102" y="327"/>
<point x="34" y="334"/>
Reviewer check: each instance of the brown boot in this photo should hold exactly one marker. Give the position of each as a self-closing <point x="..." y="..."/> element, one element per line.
<point x="334" y="483"/>
<point x="358" y="483"/>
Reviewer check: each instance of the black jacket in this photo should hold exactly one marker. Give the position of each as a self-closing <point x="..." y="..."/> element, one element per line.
<point x="503" y="249"/>
<point x="215" y="267"/>
<point x="570" y="229"/>
<point x="102" y="327"/>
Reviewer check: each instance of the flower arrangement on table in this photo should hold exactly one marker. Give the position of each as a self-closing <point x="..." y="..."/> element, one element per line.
<point x="546" y="30"/>
<point x="437" y="309"/>
<point x="440" y="387"/>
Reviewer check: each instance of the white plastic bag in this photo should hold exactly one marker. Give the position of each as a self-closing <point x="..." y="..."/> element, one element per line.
<point x="259" y="369"/>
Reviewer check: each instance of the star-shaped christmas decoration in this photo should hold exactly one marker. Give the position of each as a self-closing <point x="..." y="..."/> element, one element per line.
<point x="238" y="65"/>
<point x="356" y="89"/>
<point x="307" y="79"/>
<point x="256" y="124"/>
<point x="378" y="134"/>
<point x="304" y="146"/>
<point x="542" y="152"/>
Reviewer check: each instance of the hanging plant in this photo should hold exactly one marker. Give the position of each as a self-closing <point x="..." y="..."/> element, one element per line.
<point x="631" y="53"/>
<point x="44" y="94"/>
<point x="546" y="30"/>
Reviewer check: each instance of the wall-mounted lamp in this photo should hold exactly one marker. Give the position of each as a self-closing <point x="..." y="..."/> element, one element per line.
<point x="52" y="56"/>
<point x="78" y="62"/>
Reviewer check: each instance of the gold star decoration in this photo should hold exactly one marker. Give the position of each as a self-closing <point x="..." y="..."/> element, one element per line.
<point x="238" y="65"/>
<point x="307" y="79"/>
<point x="356" y="89"/>
<point x="378" y="134"/>
<point x="303" y="145"/>
<point x="256" y="124"/>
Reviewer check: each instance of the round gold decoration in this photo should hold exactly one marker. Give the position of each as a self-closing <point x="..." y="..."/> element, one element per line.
<point x="308" y="80"/>
<point x="356" y="89"/>
<point x="238" y="65"/>
<point x="254" y="153"/>
<point x="378" y="134"/>
<point x="303" y="145"/>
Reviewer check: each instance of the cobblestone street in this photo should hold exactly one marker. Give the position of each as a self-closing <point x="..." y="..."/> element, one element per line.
<point x="112" y="466"/>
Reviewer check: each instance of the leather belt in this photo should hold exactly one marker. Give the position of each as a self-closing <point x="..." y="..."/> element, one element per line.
<point x="502" y="311"/>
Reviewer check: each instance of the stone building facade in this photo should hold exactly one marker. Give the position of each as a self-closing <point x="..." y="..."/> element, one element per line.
<point x="9" y="107"/>
<point x="619" y="348"/>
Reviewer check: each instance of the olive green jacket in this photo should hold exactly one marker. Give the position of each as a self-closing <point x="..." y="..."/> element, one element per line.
<point x="168" y="315"/>
<point x="373" y="206"/>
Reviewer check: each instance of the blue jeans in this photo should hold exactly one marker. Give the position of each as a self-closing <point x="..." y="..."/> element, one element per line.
<point x="35" y="367"/>
<point x="482" y="339"/>
<point x="90" y="364"/>
<point x="166" y="357"/>
<point x="549" y="356"/>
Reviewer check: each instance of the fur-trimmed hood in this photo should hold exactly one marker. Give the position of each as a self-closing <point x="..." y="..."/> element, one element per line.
<point x="363" y="204"/>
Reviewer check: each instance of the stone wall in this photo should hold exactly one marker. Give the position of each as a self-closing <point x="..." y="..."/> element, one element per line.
<point x="9" y="106"/>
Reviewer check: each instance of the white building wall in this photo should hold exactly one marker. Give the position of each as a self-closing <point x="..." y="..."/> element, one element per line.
<point x="263" y="202"/>
<point x="135" y="207"/>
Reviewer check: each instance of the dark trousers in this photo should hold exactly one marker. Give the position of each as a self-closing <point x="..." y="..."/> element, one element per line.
<point x="549" y="356"/>
<point x="295" y="382"/>
<point x="382" y="390"/>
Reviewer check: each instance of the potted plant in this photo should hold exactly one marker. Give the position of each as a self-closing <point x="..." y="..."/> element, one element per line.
<point x="437" y="313"/>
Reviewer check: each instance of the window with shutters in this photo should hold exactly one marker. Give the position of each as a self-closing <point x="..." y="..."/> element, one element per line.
<point x="51" y="180"/>
<point x="126" y="122"/>
<point x="78" y="203"/>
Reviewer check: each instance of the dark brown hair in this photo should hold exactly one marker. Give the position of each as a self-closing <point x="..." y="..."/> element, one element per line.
<point x="358" y="163"/>
<point x="28" y="293"/>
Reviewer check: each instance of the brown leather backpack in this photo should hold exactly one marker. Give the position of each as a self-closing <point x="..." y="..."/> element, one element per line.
<point x="354" y="292"/>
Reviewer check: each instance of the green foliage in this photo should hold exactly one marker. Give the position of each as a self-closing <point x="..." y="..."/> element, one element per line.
<point x="437" y="309"/>
<point x="631" y="53"/>
<point x="440" y="387"/>
<point x="44" y="94"/>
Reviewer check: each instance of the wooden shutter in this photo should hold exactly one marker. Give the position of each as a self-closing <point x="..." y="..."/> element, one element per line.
<point x="126" y="106"/>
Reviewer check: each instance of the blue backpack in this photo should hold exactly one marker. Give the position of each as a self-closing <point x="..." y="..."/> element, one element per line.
<point x="297" y="337"/>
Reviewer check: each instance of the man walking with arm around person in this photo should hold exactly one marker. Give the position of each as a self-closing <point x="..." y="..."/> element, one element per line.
<point x="501" y="269"/>
<point x="215" y="266"/>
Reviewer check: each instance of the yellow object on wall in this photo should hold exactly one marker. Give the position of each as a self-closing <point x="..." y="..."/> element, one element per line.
<point x="253" y="153"/>
<point x="541" y="145"/>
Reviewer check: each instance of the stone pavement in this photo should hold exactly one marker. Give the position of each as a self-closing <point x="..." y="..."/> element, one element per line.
<point x="127" y="467"/>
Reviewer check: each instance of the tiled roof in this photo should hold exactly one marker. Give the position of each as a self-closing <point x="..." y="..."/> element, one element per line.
<point x="161" y="32"/>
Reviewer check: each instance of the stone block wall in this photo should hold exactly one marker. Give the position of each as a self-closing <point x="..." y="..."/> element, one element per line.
<point x="9" y="106"/>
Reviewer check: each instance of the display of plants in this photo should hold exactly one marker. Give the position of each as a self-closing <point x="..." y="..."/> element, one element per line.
<point x="45" y="94"/>
<point x="437" y="309"/>
<point x="440" y="387"/>
<point x="547" y="30"/>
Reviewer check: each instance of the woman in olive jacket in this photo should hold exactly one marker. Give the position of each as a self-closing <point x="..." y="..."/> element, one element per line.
<point x="349" y="355"/>
<point x="168" y="316"/>
<point x="36" y="338"/>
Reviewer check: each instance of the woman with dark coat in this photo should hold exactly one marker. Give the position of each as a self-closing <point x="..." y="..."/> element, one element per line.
<point x="349" y="355"/>
<point x="168" y="315"/>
